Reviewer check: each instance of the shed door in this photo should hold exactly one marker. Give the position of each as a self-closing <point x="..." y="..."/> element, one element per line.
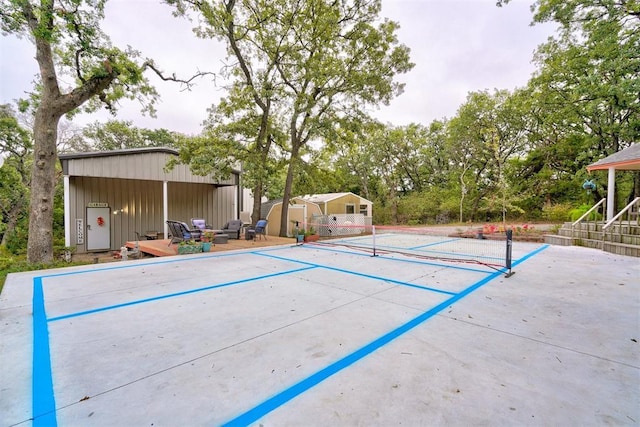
<point x="297" y="213"/>
<point x="98" y="229"/>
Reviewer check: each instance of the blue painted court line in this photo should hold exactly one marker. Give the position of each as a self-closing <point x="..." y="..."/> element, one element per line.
<point x="43" y="403"/>
<point x="529" y="255"/>
<point x="445" y="253"/>
<point x="368" y="276"/>
<point x="285" y="396"/>
<point x="43" y="398"/>
<point x="330" y="248"/>
<point x="148" y="264"/>
<point x="294" y="391"/>
<point x="433" y="244"/>
<point x="176" y="294"/>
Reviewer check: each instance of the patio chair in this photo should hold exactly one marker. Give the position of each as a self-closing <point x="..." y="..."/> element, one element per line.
<point x="180" y="232"/>
<point x="201" y="224"/>
<point x="233" y="228"/>
<point x="261" y="228"/>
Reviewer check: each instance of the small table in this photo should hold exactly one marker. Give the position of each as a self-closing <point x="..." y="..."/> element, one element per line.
<point x="219" y="236"/>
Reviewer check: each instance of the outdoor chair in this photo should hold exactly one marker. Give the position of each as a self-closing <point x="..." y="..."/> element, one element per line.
<point x="201" y="224"/>
<point x="261" y="228"/>
<point x="233" y="228"/>
<point x="180" y="232"/>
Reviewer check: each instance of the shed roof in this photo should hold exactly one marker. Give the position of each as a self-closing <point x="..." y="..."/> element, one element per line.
<point x="327" y="197"/>
<point x="142" y="150"/>
<point x="147" y="163"/>
<point x="627" y="159"/>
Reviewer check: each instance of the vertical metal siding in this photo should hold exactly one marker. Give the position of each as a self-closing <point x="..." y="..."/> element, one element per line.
<point x="130" y="201"/>
<point x="147" y="166"/>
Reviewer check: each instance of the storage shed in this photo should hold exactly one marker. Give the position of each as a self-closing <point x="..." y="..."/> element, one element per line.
<point x="341" y="203"/>
<point x="111" y="195"/>
<point x="299" y="210"/>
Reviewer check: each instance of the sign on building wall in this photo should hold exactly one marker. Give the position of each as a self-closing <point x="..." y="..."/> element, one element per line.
<point x="80" y="231"/>
<point x="97" y="205"/>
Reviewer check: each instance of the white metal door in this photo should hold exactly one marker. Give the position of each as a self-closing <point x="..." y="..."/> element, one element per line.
<point x="98" y="229"/>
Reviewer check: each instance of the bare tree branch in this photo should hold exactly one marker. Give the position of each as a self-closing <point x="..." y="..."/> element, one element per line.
<point x="188" y="82"/>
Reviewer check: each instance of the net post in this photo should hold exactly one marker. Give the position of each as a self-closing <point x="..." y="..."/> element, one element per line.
<point x="373" y="234"/>
<point x="508" y="258"/>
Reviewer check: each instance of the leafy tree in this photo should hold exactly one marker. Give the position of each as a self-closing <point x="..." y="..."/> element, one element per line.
<point x="118" y="135"/>
<point x="584" y="100"/>
<point x="305" y="64"/>
<point x="247" y="113"/>
<point x="68" y="40"/>
<point x="484" y="136"/>
<point x="337" y="61"/>
<point x="16" y="148"/>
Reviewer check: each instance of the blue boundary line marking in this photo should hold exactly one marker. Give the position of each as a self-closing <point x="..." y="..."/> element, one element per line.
<point x="442" y="252"/>
<point x="175" y="294"/>
<point x="412" y="261"/>
<point x="43" y="397"/>
<point x="434" y="243"/>
<point x="285" y="396"/>
<point x="295" y="390"/>
<point x="368" y="276"/>
<point x="419" y="248"/>
<point x="43" y="403"/>
<point x="149" y="264"/>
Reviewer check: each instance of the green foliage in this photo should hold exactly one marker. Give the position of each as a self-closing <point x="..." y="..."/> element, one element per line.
<point x="576" y="213"/>
<point x="557" y="212"/>
<point x="118" y="135"/>
<point x="11" y="263"/>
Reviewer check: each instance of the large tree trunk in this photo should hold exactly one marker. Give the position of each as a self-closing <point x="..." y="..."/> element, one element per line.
<point x="256" y="213"/>
<point x="288" y="185"/>
<point x="40" y="244"/>
<point x="12" y="220"/>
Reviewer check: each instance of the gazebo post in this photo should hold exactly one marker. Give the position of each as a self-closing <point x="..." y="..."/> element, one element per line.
<point x="624" y="160"/>
<point x="611" y="192"/>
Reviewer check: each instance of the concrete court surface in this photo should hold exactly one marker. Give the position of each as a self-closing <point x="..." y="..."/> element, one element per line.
<point x="314" y="336"/>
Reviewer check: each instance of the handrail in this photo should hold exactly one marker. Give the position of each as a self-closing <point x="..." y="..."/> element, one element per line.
<point x="622" y="212"/>
<point x="587" y="213"/>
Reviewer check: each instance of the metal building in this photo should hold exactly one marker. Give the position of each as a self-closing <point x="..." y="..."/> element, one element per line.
<point x="111" y="195"/>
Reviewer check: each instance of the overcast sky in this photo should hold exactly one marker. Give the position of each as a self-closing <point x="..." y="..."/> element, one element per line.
<point x="458" y="46"/>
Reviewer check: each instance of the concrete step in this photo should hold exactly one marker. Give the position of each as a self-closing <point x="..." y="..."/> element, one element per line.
<point x="612" y="247"/>
<point x="620" y="238"/>
<point x="629" y="239"/>
<point x="554" y="239"/>
<point x="622" y="249"/>
<point x="615" y="247"/>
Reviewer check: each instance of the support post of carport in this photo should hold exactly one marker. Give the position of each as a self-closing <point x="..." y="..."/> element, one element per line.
<point x="67" y="212"/>
<point x="165" y="208"/>
<point x="611" y="192"/>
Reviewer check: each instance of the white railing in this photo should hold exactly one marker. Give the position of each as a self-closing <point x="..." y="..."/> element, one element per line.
<point x="628" y="217"/>
<point x="586" y="218"/>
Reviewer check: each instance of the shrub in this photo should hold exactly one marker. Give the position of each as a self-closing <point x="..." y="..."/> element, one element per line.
<point x="576" y="213"/>
<point x="558" y="212"/>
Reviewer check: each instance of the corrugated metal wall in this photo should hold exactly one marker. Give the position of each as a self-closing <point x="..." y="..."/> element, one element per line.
<point x="216" y="205"/>
<point x="136" y="205"/>
<point x="147" y="166"/>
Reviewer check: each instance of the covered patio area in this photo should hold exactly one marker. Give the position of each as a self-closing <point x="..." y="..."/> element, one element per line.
<point x="160" y="248"/>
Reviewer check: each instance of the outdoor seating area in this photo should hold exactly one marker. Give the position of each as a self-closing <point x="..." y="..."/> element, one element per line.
<point x="163" y="247"/>
<point x="233" y="228"/>
<point x="180" y="232"/>
<point x="260" y="230"/>
<point x="203" y="238"/>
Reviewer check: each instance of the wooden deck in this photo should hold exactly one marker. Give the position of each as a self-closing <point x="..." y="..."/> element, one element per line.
<point x="160" y="248"/>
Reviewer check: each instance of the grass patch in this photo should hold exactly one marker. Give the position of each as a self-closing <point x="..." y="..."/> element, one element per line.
<point x="18" y="264"/>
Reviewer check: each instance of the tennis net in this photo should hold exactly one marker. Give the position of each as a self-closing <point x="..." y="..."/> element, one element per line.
<point x="492" y="251"/>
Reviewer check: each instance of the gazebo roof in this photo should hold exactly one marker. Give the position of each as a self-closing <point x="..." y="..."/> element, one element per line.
<point x="627" y="159"/>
